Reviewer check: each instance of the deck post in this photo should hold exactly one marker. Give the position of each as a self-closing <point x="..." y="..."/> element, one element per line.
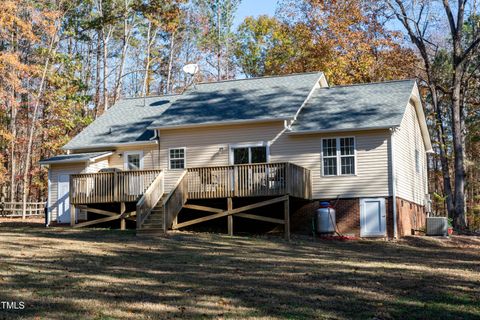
<point x="230" y="217"/>
<point x="72" y="215"/>
<point x="123" y="224"/>
<point x="287" y="218"/>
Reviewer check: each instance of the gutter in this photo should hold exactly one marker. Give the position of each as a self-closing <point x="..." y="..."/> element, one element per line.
<point x="342" y="130"/>
<point x="393" y="178"/>
<point x="216" y="124"/>
<point x="99" y="146"/>
<point x="46" y="163"/>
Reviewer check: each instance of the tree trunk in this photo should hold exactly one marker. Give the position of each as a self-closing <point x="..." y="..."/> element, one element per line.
<point x="447" y="185"/>
<point x="32" y="130"/>
<point x="97" y="76"/>
<point x="459" y="148"/>
<point x="13" y="159"/>
<point x="125" y="42"/>
<point x="170" y="63"/>
<point x="105" y="41"/>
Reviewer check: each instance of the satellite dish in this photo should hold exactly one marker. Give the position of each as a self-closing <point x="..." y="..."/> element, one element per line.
<point x="191" y="69"/>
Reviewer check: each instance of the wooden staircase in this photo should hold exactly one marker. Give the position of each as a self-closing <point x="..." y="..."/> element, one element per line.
<point x="161" y="204"/>
<point x="155" y="222"/>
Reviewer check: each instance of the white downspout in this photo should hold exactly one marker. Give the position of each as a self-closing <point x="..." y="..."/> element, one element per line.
<point x="394" y="184"/>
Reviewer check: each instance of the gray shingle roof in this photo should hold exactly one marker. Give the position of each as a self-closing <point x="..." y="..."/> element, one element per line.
<point x="78" y="157"/>
<point x="276" y="97"/>
<point x="357" y="106"/>
<point x="336" y="108"/>
<point x="125" y="122"/>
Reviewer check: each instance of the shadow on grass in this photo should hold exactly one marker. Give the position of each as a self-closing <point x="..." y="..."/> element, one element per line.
<point x="63" y="273"/>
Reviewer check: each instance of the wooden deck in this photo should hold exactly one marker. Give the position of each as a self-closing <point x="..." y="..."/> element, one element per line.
<point x="249" y="180"/>
<point x="110" y="187"/>
<point x="277" y="181"/>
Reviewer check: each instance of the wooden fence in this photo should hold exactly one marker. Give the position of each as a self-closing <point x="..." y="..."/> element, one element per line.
<point x="15" y="209"/>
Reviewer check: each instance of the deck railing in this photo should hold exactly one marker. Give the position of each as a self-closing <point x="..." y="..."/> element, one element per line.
<point x="175" y="200"/>
<point x="107" y="187"/>
<point x="150" y="199"/>
<point x="249" y="180"/>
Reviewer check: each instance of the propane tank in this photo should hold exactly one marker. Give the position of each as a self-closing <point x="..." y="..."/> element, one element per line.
<point x="325" y="218"/>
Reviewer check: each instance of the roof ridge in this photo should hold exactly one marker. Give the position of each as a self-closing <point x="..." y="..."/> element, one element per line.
<point x="152" y="96"/>
<point x="262" y="77"/>
<point x="369" y="83"/>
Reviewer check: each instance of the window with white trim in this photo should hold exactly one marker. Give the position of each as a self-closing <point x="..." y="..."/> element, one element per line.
<point x="338" y="156"/>
<point x="133" y="160"/>
<point x="177" y="158"/>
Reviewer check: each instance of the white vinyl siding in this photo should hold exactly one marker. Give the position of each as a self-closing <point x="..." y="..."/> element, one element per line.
<point x="209" y="146"/>
<point x="410" y="159"/>
<point x="55" y="172"/>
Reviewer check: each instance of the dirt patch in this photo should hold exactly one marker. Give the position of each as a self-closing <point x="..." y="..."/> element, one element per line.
<point x="61" y="273"/>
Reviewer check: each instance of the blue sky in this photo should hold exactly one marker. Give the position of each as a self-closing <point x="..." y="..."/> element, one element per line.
<point x="254" y="8"/>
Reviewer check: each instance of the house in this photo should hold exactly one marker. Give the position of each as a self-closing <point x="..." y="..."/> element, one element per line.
<point x="263" y="150"/>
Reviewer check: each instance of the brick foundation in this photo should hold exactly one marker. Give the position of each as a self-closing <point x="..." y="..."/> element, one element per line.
<point x="411" y="216"/>
<point x="348" y="216"/>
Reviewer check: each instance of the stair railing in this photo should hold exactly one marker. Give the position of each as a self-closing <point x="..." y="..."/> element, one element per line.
<point x="173" y="203"/>
<point x="150" y="199"/>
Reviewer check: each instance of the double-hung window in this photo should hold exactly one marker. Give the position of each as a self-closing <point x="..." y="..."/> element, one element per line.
<point x="176" y="158"/>
<point x="338" y="156"/>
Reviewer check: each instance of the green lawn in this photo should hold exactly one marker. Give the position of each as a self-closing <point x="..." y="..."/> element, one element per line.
<point x="108" y="274"/>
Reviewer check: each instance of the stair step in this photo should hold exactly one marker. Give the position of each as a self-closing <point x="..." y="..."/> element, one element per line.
<point x="155" y="218"/>
<point x="154" y="221"/>
<point x="151" y="231"/>
<point x="152" y="226"/>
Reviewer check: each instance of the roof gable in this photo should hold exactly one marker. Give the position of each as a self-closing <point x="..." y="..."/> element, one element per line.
<point x="343" y="108"/>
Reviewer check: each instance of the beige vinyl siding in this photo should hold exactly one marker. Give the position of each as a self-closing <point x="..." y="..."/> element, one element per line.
<point x="209" y="146"/>
<point x="97" y="166"/>
<point x="203" y="144"/>
<point x="150" y="156"/>
<point x="371" y="178"/>
<point x="54" y="172"/>
<point x="411" y="185"/>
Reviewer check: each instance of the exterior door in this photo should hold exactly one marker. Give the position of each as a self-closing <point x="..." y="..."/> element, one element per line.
<point x="134" y="161"/>
<point x="249" y="155"/>
<point x="372" y="217"/>
<point x="63" y="198"/>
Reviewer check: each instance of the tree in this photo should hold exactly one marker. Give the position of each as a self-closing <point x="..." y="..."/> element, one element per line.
<point x="216" y="38"/>
<point x="416" y="18"/>
<point x="345" y="39"/>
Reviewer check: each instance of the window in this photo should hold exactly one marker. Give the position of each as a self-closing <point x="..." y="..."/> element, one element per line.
<point x="329" y="157"/>
<point x="133" y="160"/>
<point x="249" y="154"/>
<point x="417" y="160"/>
<point x="338" y="156"/>
<point x="177" y="158"/>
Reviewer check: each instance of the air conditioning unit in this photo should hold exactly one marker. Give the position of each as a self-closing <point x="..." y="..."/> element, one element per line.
<point x="437" y="226"/>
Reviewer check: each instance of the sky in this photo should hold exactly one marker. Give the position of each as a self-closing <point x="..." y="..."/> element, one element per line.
<point x="254" y="8"/>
